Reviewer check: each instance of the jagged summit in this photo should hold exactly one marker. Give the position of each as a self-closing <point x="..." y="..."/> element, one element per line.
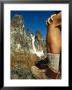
<point x="17" y="23"/>
<point x="21" y="40"/>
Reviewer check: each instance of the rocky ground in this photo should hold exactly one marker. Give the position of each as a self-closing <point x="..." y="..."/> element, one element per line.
<point x="21" y="44"/>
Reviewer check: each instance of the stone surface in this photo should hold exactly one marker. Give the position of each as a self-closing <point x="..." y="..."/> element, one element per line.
<point x="21" y="45"/>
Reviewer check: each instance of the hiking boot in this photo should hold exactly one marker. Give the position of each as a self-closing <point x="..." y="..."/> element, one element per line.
<point x="38" y="73"/>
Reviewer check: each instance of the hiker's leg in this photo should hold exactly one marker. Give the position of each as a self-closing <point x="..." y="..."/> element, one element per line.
<point x="53" y="44"/>
<point x="53" y="41"/>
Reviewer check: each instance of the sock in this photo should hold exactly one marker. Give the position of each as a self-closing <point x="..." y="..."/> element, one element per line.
<point x="53" y="61"/>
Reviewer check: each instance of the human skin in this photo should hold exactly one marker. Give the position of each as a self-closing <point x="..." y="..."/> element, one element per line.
<point x="53" y="37"/>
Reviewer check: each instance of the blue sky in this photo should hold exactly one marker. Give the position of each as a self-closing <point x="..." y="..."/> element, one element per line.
<point x="34" y="19"/>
